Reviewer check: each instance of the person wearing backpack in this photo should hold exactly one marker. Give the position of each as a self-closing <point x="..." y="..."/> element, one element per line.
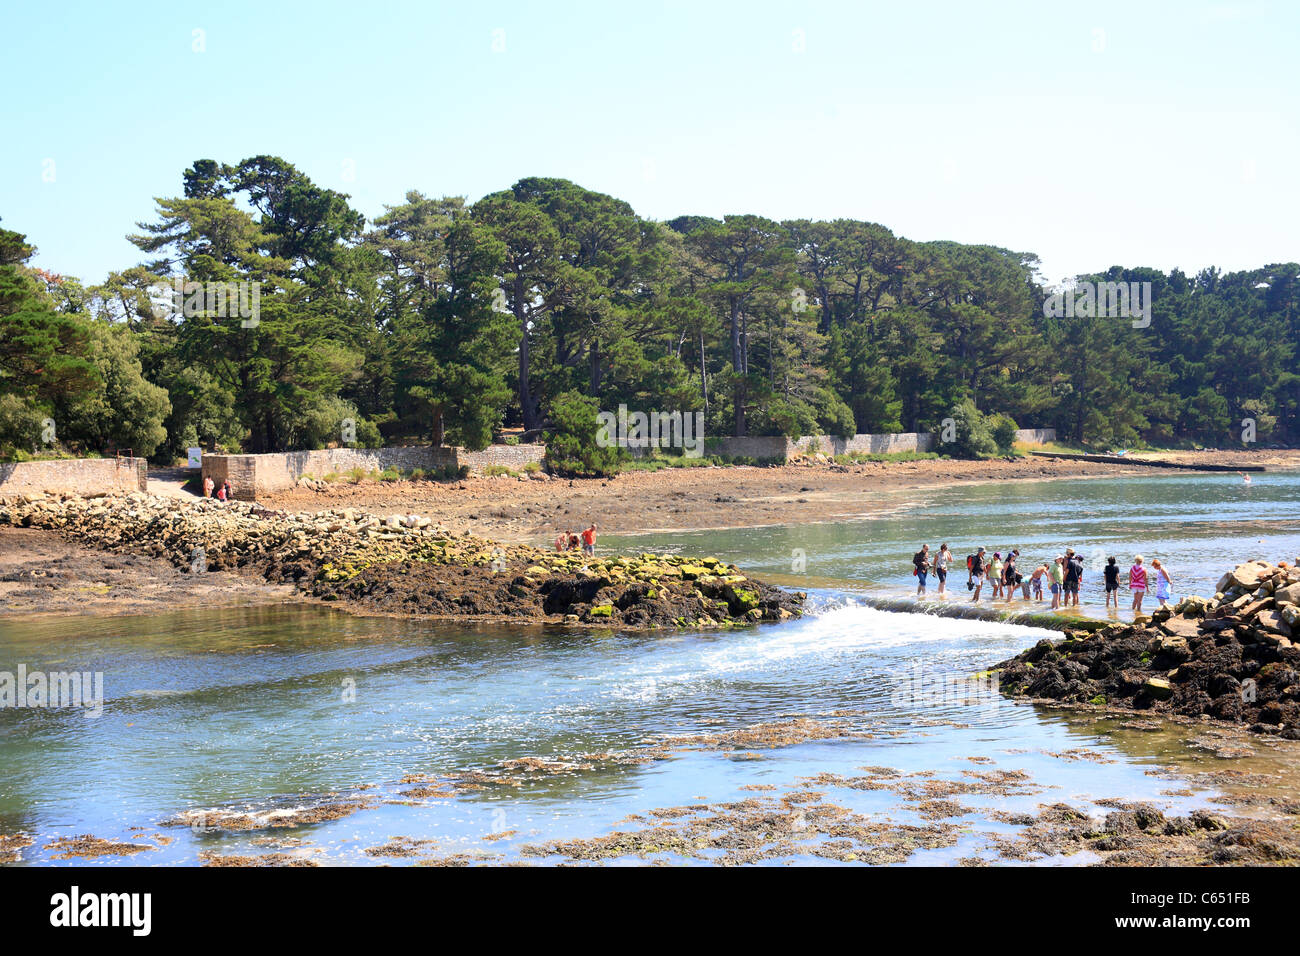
<point x="975" y="571"/>
<point x="921" y="567"/>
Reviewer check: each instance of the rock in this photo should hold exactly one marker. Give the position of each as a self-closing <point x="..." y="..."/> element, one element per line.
<point x="1288" y="595"/>
<point x="1158" y="687"/>
<point x="1181" y="627"/>
<point x="1250" y="574"/>
<point x="1273" y="621"/>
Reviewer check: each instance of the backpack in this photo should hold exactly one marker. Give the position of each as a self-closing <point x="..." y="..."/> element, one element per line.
<point x="970" y="562"/>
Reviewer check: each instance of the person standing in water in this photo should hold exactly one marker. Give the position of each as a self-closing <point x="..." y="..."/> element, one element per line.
<point x="921" y="567"/>
<point x="995" y="575"/>
<point x="1009" y="575"/>
<point x="1111" y="574"/>
<point x="1070" y="586"/>
<point x="976" y="568"/>
<point x="941" y="567"/>
<point x="1058" y="581"/>
<point x="1164" y="583"/>
<point x="589" y="541"/>
<point x="1137" y="583"/>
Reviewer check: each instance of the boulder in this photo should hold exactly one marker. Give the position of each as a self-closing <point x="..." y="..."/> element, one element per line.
<point x="1250" y="574"/>
<point x="1158" y="687"/>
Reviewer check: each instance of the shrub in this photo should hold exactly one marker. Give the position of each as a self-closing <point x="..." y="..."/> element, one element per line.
<point x="572" y="446"/>
<point x="1003" y="429"/>
<point x="974" y="439"/>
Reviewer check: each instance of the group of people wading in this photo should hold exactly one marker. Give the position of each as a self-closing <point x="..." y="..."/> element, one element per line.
<point x="1061" y="577"/>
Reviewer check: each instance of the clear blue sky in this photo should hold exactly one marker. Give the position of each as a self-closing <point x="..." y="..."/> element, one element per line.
<point x="1161" y="134"/>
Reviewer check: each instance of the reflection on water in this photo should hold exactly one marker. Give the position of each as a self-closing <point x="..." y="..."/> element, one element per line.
<point x="255" y="707"/>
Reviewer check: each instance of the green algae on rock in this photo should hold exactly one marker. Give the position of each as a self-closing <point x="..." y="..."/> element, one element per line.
<point x="408" y="564"/>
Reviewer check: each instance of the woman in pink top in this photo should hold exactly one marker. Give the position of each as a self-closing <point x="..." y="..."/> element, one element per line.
<point x="1137" y="583"/>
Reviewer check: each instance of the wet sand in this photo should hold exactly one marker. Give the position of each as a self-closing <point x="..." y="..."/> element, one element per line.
<point x="42" y="573"/>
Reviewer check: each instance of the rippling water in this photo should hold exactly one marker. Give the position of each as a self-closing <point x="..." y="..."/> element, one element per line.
<point x="276" y="707"/>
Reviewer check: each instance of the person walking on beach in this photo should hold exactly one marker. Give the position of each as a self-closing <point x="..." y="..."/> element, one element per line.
<point x="995" y="575"/>
<point x="1137" y="583"/>
<point x="941" y="567"/>
<point x="1164" y="583"/>
<point x="976" y="568"/>
<point x="1111" y="573"/>
<point x="920" y="567"/>
<point x="1058" y="581"/>
<point x="589" y="541"/>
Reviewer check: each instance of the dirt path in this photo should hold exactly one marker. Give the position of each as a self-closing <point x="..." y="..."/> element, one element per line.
<point x="532" y="509"/>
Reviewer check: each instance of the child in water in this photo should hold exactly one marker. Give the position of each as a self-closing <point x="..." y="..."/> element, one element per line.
<point x="1137" y="583"/>
<point x="1111" y="573"/>
<point x="1036" y="581"/>
<point x="1164" y="584"/>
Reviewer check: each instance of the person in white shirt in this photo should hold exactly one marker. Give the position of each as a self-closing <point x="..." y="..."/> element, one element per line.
<point x="941" y="566"/>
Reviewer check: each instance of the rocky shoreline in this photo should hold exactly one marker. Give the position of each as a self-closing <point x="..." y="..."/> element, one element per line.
<point x="1230" y="658"/>
<point x="408" y="564"/>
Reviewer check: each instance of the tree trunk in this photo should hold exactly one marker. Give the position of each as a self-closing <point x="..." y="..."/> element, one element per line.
<point x="704" y="381"/>
<point x="738" y="366"/>
<point x="526" y="404"/>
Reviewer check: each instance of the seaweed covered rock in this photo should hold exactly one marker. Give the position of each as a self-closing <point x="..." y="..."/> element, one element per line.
<point x="1233" y="657"/>
<point x="410" y="564"/>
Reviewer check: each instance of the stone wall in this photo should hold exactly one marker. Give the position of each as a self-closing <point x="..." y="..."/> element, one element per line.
<point x="767" y="448"/>
<point x="514" y="457"/>
<point x="1036" y="436"/>
<point x="251" y="475"/>
<point x="758" y="447"/>
<point x="884" y="444"/>
<point x="81" y="476"/>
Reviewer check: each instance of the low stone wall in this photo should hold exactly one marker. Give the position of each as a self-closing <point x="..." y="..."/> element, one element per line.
<point x="1036" y="436"/>
<point x="884" y="444"/>
<point x="514" y="457"/>
<point x="767" y="447"/>
<point x="757" y="447"/>
<point x="80" y="476"/>
<point x="251" y="475"/>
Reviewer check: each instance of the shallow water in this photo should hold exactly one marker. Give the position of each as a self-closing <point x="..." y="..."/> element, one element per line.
<point x="266" y="708"/>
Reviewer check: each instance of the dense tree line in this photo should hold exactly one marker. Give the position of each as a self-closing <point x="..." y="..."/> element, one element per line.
<point x="442" y="320"/>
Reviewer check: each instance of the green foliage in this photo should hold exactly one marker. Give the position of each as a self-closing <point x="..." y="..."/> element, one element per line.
<point x="572" y="445"/>
<point x="1003" y="429"/>
<point x="974" y="436"/>
<point x="445" y="320"/>
<point x="20" y="426"/>
<point x="125" y="410"/>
